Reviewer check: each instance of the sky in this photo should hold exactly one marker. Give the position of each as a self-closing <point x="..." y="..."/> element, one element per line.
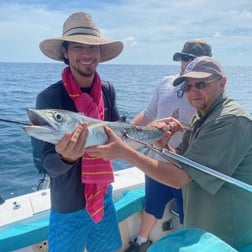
<point x="151" y="30"/>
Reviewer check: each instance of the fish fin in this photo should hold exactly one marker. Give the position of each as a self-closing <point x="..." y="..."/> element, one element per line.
<point x="122" y="119"/>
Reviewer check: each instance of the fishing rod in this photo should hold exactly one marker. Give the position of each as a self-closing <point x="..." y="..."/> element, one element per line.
<point x="207" y="170"/>
<point x="16" y="122"/>
<point x="173" y="157"/>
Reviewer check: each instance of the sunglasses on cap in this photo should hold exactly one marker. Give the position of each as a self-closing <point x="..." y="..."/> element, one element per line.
<point x="199" y="85"/>
<point x="186" y="57"/>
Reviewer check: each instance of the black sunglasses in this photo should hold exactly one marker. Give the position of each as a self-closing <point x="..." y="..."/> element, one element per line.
<point x="199" y="85"/>
<point x="186" y="57"/>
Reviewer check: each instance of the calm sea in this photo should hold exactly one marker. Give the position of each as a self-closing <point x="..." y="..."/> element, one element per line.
<point x="134" y="84"/>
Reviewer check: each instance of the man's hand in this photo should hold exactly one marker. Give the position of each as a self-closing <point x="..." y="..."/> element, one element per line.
<point x="170" y="126"/>
<point x="72" y="145"/>
<point x="114" y="148"/>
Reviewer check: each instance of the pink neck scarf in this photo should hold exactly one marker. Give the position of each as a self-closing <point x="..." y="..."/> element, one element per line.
<point x="97" y="173"/>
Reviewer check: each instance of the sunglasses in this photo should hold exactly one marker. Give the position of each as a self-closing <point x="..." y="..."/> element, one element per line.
<point x="199" y="85"/>
<point x="186" y="57"/>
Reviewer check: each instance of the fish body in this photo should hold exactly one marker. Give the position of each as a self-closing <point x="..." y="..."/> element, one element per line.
<point x="50" y="125"/>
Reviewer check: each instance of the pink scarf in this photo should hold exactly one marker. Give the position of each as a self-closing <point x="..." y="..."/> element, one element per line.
<point x="97" y="173"/>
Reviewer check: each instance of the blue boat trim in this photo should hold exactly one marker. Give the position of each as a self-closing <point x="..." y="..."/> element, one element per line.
<point x="34" y="229"/>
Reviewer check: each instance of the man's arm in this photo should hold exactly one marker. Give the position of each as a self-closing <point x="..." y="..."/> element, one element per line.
<point x="141" y="119"/>
<point x="161" y="171"/>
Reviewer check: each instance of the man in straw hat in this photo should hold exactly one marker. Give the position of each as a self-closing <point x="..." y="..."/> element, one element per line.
<point x="82" y="210"/>
<point x="167" y="100"/>
<point x="221" y="139"/>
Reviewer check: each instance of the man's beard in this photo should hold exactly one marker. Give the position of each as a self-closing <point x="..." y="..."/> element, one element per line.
<point x="88" y="72"/>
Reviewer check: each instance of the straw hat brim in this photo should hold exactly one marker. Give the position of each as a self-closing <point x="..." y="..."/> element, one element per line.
<point x="109" y="48"/>
<point x="192" y="74"/>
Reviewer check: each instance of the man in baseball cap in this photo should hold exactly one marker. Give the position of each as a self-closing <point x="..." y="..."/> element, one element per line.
<point x="167" y="100"/>
<point x="220" y="138"/>
<point x="193" y="48"/>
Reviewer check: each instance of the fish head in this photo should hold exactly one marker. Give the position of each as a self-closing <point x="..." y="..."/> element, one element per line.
<point x="50" y="125"/>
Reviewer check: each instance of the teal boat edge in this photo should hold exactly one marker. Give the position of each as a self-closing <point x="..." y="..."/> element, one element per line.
<point x="32" y="230"/>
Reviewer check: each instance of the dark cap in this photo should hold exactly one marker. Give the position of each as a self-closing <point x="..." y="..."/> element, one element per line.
<point x="195" y="47"/>
<point x="201" y="68"/>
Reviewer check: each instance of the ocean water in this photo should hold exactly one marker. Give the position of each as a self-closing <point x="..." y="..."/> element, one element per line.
<point x="134" y="84"/>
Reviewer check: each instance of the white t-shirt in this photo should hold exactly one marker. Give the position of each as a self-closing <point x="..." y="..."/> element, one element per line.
<point x="165" y="102"/>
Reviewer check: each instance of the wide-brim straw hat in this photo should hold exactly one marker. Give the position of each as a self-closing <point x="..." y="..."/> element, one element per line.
<point x="80" y="28"/>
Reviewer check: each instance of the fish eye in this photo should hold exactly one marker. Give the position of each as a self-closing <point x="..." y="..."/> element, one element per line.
<point x="58" y="116"/>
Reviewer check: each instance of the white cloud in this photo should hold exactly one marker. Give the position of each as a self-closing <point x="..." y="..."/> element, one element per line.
<point x="130" y="41"/>
<point x="217" y="35"/>
<point x="152" y="30"/>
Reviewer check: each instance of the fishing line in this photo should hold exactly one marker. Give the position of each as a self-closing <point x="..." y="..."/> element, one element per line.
<point x="16" y="122"/>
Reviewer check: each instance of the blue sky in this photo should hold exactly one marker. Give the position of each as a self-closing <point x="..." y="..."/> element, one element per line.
<point x="151" y="30"/>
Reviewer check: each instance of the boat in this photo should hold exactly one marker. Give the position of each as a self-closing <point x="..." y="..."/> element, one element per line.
<point x="24" y="219"/>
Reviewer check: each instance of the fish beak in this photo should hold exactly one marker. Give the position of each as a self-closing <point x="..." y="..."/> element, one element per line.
<point x="37" y="119"/>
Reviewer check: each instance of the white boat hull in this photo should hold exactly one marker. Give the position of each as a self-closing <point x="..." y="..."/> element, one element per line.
<point x="24" y="219"/>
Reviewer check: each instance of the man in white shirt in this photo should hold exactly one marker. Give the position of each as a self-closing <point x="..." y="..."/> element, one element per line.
<point x="166" y="101"/>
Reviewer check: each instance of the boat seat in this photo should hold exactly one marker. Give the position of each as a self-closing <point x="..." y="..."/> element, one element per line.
<point x="190" y="240"/>
<point x="131" y="202"/>
<point x="246" y="249"/>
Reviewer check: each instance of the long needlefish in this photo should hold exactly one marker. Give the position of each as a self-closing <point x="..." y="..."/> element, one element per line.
<point x="50" y="125"/>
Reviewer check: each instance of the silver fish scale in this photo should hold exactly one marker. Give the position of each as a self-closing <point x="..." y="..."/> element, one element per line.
<point x="145" y="134"/>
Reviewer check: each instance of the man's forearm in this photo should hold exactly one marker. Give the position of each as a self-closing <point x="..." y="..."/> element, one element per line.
<point x="162" y="171"/>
